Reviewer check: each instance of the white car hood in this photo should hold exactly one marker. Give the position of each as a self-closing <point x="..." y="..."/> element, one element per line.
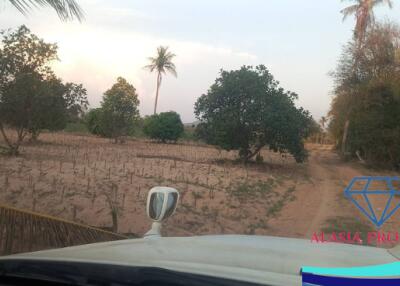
<point x="259" y="259"/>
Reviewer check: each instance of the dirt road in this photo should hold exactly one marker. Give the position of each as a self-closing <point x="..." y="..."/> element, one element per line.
<point x="320" y="198"/>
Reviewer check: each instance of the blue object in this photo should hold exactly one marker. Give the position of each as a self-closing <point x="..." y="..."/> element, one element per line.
<point x="382" y="270"/>
<point x="389" y="192"/>
<point x="384" y="274"/>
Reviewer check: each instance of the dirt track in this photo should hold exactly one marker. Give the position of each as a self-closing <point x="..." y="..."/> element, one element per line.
<point x="320" y="200"/>
<point x="328" y="180"/>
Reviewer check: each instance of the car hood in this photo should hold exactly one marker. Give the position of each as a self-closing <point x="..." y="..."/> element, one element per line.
<point x="259" y="259"/>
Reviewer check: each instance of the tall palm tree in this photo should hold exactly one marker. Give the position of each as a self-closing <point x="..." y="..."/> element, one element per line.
<point x="364" y="14"/>
<point x="323" y="121"/>
<point x="66" y="9"/>
<point x="161" y="64"/>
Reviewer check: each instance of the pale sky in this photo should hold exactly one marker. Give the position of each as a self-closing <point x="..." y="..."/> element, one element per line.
<point x="298" y="41"/>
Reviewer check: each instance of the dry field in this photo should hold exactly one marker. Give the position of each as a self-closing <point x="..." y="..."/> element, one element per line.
<point x="88" y="179"/>
<point x="84" y="179"/>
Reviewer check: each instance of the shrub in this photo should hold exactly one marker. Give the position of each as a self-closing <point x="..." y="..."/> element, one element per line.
<point x="166" y="126"/>
<point x="93" y="121"/>
<point x="118" y="112"/>
<point x="76" y="127"/>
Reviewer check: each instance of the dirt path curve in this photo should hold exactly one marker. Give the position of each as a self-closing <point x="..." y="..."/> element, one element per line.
<point x="319" y="195"/>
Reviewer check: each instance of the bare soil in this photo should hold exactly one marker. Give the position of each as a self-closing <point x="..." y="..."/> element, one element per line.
<point x="71" y="177"/>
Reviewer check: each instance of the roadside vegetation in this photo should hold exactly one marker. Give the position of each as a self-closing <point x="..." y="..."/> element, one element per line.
<point x="364" y="119"/>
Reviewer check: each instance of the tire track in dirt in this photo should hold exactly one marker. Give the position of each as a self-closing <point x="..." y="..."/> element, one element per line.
<point x="326" y="189"/>
<point x="330" y="175"/>
<point x="319" y="196"/>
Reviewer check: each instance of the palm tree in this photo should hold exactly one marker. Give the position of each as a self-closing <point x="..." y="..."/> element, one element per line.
<point x="364" y="13"/>
<point x="161" y="64"/>
<point x="322" y="122"/>
<point x="66" y="9"/>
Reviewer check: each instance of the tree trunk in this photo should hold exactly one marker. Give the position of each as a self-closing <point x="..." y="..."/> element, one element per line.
<point x="34" y="136"/>
<point x="345" y="132"/>
<point x="114" y="215"/>
<point x="158" y="89"/>
<point x="3" y="133"/>
<point x="252" y="154"/>
<point x="12" y="149"/>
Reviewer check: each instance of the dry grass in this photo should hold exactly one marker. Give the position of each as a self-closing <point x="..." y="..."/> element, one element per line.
<point x="92" y="181"/>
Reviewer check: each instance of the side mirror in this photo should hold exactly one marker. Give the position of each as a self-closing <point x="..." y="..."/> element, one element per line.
<point x="161" y="204"/>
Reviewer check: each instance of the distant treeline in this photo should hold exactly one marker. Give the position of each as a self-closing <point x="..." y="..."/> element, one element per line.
<point x="244" y="110"/>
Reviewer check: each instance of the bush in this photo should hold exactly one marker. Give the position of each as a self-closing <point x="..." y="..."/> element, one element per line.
<point x="118" y="113"/>
<point x="76" y="127"/>
<point x="189" y="133"/>
<point x="119" y="110"/>
<point x="166" y="126"/>
<point x="93" y="121"/>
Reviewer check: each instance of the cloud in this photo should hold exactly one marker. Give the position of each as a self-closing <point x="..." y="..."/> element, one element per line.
<point x="96" y="57"/>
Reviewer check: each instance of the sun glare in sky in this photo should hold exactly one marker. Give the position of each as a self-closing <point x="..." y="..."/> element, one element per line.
<point x="298" y="42"/>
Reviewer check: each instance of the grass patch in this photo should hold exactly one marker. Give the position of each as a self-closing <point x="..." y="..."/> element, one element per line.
<point x="251" y="230"/>
<point x="348" y="224"/>
<point x="76" y="128"/>
<point x="188" y="134"/>
<point x="278" y="205"/>
<point x="245" y="189"/>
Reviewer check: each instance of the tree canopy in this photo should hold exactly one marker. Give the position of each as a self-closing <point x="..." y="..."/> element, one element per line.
<point x="119" y="110"/>
<point x="32" y="98"/>
<point x="161" y="64"/>
<point x="246" y="109"/>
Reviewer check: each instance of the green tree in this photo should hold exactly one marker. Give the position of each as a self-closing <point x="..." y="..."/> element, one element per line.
<point x="119" y="110"/>
<point x="166" y="126"/>
<point x="31" y="97"/>
<point x="161" y="64"/>
<point x="66" y="9"/>
<point x="24" y="60"/>
<point x="246" y="109"/>
<point x="57" y="105"/>
<point x="93" y="121"/>
<point x="31" y="104"/>
<point x="47" y="107"/>
<point x="75" y="96"/>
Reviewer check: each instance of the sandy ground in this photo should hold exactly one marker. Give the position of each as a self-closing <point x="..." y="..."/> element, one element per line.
<point x="76" y="177"/>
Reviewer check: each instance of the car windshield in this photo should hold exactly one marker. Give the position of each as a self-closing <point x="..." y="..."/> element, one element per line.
<point x="260" y="118"/>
